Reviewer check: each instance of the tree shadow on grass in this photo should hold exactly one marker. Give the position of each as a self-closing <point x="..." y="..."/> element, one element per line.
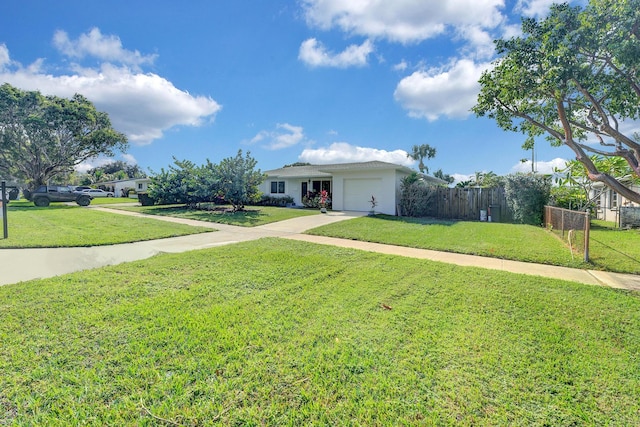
<point x="29" y="206"/>
<point x="221" y="215"/>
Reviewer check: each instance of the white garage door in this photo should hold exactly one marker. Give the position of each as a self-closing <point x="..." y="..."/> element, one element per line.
<point x="358" y="192"/>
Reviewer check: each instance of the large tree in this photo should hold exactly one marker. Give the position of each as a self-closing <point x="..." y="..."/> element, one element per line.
<point x="116" y="167"/>
<point x="573" y="76"/>
<point x="44" y="136"/>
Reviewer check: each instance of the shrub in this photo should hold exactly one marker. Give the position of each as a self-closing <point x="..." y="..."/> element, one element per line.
<point x="415" y="197"/>
<point x="526" y="195"/>
<point x="570" y="198"/>
<point x="314" y="201"/>
<point x="280" y="201"/>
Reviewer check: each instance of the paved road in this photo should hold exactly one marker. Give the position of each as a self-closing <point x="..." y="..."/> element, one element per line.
<point x="27" y="264"/>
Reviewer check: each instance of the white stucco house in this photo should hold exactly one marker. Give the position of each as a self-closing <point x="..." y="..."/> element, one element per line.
<point x="140" y="185"/>
<point x="350" y="185"/>
<point x="608" y="202"/>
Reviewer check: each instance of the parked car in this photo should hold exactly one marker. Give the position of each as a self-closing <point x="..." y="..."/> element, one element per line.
<point x="81" y="188"/>
<point x="97" y="192"/>
<point x="44" y="195"/>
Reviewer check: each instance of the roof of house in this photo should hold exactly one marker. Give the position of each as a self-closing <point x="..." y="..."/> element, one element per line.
<point x="117" y="181"/>
<point x="328" y="170"/>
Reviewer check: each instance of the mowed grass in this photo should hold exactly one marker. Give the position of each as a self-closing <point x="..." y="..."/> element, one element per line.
<point x="611" y="249"/>
<point x="508" y="241"/>
<point x="276" y="332"/>
<point x="60" y="225"/>
<point x="251" y="217"/>
<point x="614" y="249"/>
<point x="113" y="200"/>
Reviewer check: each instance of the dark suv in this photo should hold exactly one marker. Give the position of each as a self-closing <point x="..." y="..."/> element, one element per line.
<point x="44" y="195"/>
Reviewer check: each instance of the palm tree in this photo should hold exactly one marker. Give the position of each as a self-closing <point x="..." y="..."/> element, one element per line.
<point x="420" y="152"/>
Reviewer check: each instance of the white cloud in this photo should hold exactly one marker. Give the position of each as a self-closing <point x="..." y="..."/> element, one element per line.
<point x="449" y="92"/>
<point x="543" y="167"/>
<point x="93" y="163"/>
<point x="480" y="42"/>
<point x="459" y="177"/>
<point x="342" y="152"/>
<point x="141" y="105"/>
<point x="128" y="158"/>
<point x="534" y="8"/>
<point x="5" y="60"/>
<point x="285" y="136"/>
<point x="106" y="48"/>
<point x="402" y="21"/>
<point x="401" y="66"/>
<point x="314" y="53"/>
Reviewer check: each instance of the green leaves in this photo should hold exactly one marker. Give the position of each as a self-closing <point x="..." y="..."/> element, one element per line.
<point x="421" y="152"/>
<point x="234" y="179"/>
<point x="573" y="76"/>
<point x="42" y="137"/>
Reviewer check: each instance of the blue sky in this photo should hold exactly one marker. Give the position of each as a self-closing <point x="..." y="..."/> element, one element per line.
<point x="319" y="81"/>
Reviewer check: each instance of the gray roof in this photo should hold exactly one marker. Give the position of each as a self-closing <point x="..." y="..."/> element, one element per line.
<point x="327" y="170"/>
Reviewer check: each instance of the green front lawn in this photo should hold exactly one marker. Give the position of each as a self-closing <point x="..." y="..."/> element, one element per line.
<point x="59" y="225"/>
<point x="251" y="217"/>
<point x="276" y="332"/>
<point x="113" y="200"/>
<point x="611" y="249"/>
<point x="509" y="241"/>
<point x="614" y="249"/>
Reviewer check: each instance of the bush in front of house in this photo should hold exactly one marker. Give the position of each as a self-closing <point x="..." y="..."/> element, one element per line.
<point x="278" y="201"/>
<point x="234" y="179"/>
<point x="415" y="196"/>
<point x="314" y="201"/>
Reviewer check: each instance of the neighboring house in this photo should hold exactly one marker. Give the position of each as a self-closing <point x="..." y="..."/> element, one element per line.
<point x="350" y="185"/>
<point x="608" y="202"/>
<point x="140" y="185"/>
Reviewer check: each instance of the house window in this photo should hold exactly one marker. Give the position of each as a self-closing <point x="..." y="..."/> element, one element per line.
<point x="139" y="186"/>
<point x="318" y="186"/>
<point x="614" y="199"/>
<point x="277" y="187"/>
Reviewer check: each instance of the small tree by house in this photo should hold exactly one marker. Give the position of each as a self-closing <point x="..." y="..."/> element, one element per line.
<point x="238" y="181"/>
<point x="234" y="179"/>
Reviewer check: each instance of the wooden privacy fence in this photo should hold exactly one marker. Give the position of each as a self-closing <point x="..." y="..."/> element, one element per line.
<point x="468" y="203"/>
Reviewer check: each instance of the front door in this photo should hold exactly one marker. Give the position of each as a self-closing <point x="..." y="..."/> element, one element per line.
<point x="305" y="190"/>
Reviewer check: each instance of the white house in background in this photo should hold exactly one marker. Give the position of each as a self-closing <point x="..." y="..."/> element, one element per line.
<point x="350" y="185"/>
<point x="140" y="185"/>
<point x="608" y="202"/>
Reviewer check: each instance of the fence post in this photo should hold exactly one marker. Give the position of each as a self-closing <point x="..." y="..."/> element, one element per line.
<point x="587" y="227"/>
<point x="3" y="205"/>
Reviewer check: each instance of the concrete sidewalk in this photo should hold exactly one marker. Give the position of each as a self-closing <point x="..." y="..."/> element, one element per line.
<point x="27" y="264"/>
